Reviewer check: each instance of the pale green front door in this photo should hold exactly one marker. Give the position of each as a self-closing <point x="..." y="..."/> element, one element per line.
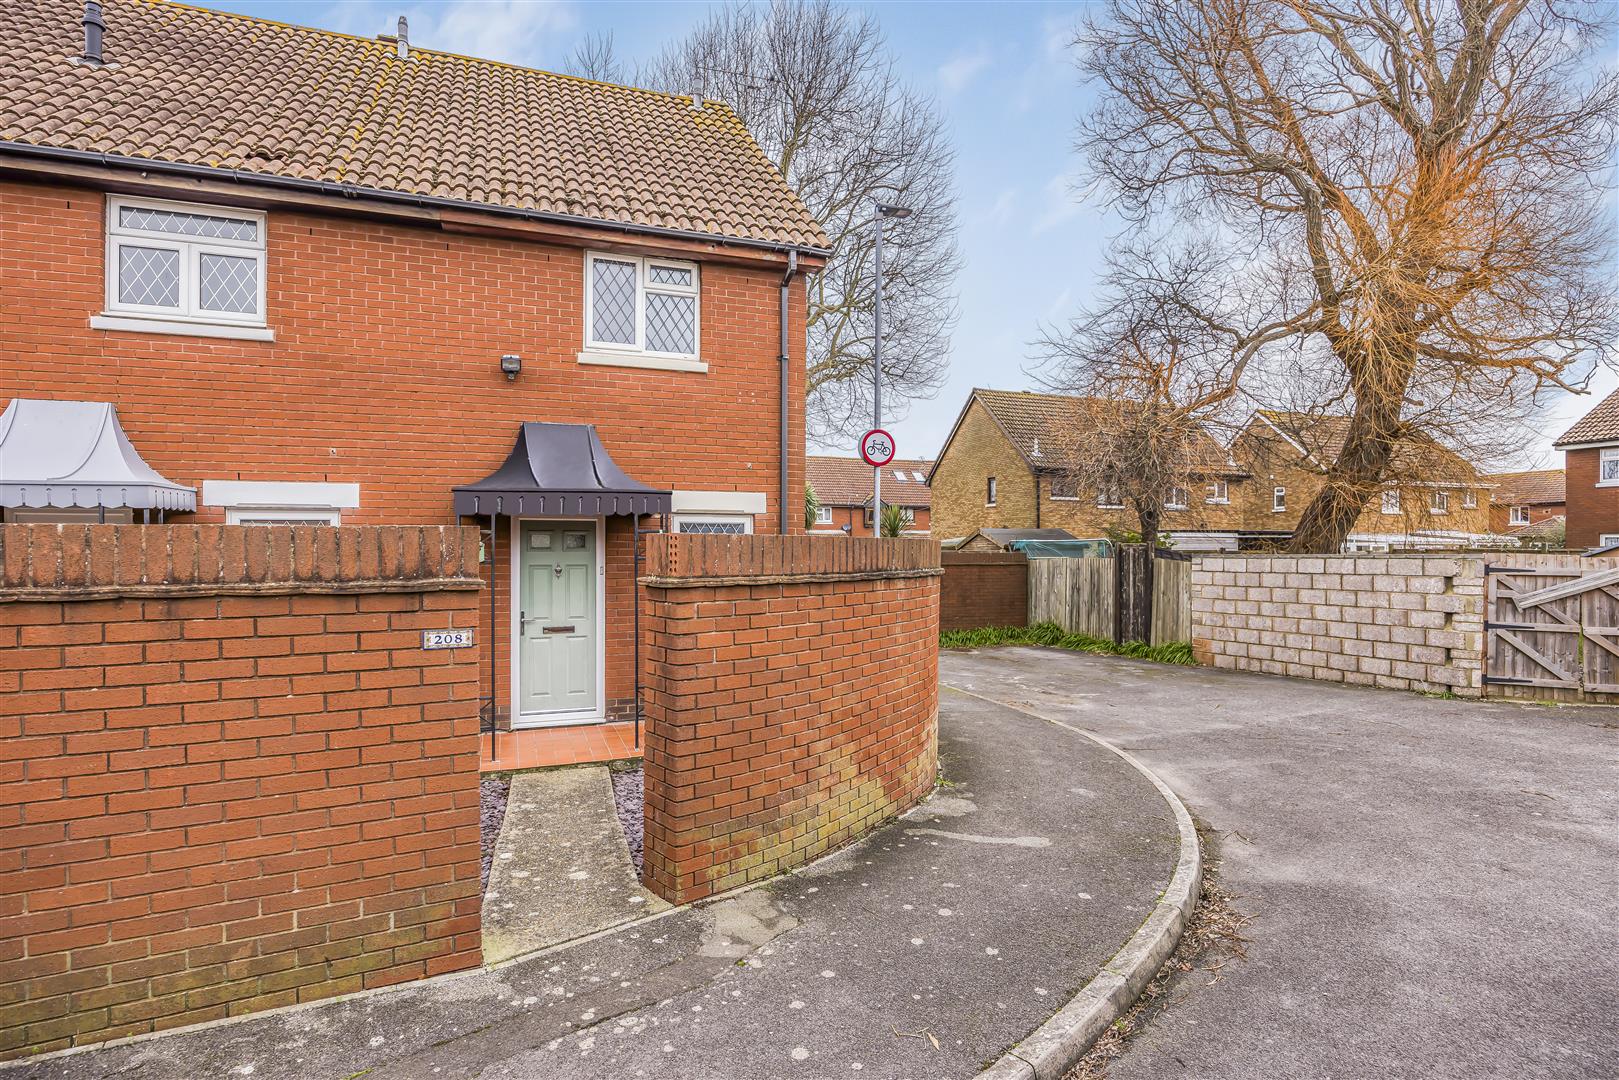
<point x="557" y="620"/>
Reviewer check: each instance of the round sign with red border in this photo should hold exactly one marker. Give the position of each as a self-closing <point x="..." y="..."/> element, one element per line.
<point x="877" y="447"/>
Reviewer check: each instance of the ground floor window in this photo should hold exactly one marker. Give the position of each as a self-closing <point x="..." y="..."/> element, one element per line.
<point x="714" y="524"/>
<point x="271" y="515"/>
<point x="271" y="502"/>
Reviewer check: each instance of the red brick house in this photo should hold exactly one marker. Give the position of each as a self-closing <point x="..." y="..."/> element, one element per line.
<point x="1527" y="504"/>
<point x="1591" y="465"/>
<point x="323" y="278"/>
<point x="843" y="489"/>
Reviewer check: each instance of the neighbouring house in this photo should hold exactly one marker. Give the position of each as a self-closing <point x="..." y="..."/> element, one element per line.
<point x="1591" y="464"/>
<point x="300" y="276"/>
<point x="1528" y="505"/>
<point x="1440" y="499"/>
<point x="843" y="489"/>
<point x="1001" y="467"/>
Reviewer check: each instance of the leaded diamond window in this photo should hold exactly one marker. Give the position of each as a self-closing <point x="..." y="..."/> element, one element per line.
<point x="642" y="306"/>
<point x="148" y="277"/>
<point x="175" y="261"/>
<point x="613" y="301"/>
<point x="229" y="283"/>
<point x="670" y="323"/>
<point x="711" y="526"/>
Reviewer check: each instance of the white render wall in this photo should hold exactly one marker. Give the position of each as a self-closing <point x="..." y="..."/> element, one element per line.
<point x="1405" y="622"/>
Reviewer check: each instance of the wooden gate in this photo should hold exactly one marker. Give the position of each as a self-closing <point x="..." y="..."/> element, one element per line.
<point x="1552" y="632"/>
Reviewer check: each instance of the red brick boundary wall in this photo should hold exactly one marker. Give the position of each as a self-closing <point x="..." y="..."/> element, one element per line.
<point x="984" y="588"/>
<point x="791" y="698"/>
<point x="233" y="779"/>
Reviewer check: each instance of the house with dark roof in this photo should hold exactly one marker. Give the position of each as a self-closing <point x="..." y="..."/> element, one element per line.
<point x="302" y="276"/>
<point x="1591" y="464"/>
<point x="844" y="488"/>
<point x="1528" y="505"/>
<point x="1438" y="499"/>
<point x="1003" y="466"/>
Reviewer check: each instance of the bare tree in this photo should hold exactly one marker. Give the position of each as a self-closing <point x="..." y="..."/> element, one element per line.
<point x="1150" y="379"/>
<point x="1414" y="186"/>
<point x="815" y="84"/>
<point x="594" y="58"/>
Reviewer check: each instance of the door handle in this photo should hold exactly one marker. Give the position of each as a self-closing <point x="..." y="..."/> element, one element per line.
<point x="558" y="630"/>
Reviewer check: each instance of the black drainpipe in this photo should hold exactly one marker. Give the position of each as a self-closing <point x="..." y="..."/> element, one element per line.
<point x="786" y="283"/>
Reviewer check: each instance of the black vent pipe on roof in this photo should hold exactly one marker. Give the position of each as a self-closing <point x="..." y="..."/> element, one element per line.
<point x="94" y="27"/>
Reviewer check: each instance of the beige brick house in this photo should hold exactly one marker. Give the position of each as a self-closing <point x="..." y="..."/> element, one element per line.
<point x="1000" y="468"/>
<point x="1441" y="499"/>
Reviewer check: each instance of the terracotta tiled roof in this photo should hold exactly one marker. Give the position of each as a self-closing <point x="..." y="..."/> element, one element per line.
<point x="201" y="87"/>
<point x="1601" y="424"/>
<point x="1036" y="424"/>
<point x="1538" y="487"/>
<point x="847" y="481"/>
<point x="1544" y="529"/>
<point x="1323" y="437"/>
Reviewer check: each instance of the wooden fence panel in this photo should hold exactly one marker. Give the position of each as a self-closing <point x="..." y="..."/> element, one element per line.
<point x="1171" y="600"/>
<point x="1565" y="649"/>
<point x="1076" y="594"/>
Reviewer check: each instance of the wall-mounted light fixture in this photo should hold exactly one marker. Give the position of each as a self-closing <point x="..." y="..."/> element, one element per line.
<point x="511" y="364"/>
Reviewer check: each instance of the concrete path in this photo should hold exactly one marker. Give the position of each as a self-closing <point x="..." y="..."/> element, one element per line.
<point x="1434" y="884"/>
<point x="561" y="868"/>
<point x="926" y="951"/>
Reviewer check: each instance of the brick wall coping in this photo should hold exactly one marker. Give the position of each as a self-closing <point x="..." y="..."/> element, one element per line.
<point x="99" y="562"/>
<point x="675" y="560"/>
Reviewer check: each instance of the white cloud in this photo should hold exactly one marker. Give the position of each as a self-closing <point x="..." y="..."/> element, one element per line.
<point x="1063" y="201"/>
<point x="516" y="31"/>
<point x="961" y="69"/>
<point x="1000" y="211"/>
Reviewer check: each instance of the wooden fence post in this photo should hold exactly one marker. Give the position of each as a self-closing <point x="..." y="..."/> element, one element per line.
<point x="1132" y="605"/>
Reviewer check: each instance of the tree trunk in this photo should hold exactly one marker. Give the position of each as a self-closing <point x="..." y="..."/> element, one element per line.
<point x="1353" y="479"/>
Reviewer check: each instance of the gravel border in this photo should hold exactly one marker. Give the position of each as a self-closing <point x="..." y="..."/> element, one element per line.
<point x="629" y="798"/>
<point x="1056" y="1046"/>
<point x="492" y="794"/>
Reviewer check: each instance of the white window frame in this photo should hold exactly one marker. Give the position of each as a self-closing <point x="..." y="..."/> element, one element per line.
<point x="281" y="515"/>
<point x="1606" y="456"/>
<point x="1051" y="489"/>
<point x="823" y="515"/>
<point x="990" y="492"/>
<point x="1278" y="500"/>
<point x="620" y="354"/>
<point x="1219" y="493"/>
<point x="1518" y="515"/>
<point x="1181" y="502"/>
<point x="1606" y="539"/>
<point x="1390" y="501"/>
<point x="190" y="249"/>
<point x="1109" y="499"/>
<point x="1469" y="500"/>
<point x="1439" y="502"/>
<point x="746" y="521"/>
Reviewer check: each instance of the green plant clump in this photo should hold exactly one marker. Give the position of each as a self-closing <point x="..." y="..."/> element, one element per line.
<point x="1055" y="637"/>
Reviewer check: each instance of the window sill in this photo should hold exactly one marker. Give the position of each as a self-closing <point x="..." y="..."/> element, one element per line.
<point x="1607" y="483"/>
<point x="636" y="360"/>
<point x="141" y="324"/>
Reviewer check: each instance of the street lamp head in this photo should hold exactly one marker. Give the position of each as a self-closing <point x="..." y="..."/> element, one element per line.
<point x="887" y="211"/>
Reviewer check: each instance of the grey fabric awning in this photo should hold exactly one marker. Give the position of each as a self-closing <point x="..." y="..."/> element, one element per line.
<point x="74" y="453"/>
<point x="559" y="470"/>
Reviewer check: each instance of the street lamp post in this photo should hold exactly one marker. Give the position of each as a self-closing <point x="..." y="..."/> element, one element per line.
<point x="884" y="213"/>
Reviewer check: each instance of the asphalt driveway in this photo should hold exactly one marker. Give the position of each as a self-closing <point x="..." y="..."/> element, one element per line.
<point x="1434" y="884"/>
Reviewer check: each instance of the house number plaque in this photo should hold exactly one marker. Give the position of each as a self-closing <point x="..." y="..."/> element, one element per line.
<point x="446" y="639"/>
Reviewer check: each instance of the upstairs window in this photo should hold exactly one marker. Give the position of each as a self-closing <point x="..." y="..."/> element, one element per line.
<point x="1064" y="487"/>
<point x="989" y="492"/>
<point x="179" y="261"/>
<point x="1608" y="466"/>
<point x="1278" y="500"/>
<point x="1469" y="500"/>
<point x="641" y="306"/>
<point x="1440" y="503"/>
<point x="1518" y="515"/>
<point x="823" y="515"/>
<point x="1219" y="493"/>
<point x="1391" y="501"/>
<point x="1179" y="498"/>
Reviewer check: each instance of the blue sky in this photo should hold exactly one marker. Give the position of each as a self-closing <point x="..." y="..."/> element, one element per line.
<point x="1002" y="77"/>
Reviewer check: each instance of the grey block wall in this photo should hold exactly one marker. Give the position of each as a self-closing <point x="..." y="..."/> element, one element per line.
<point x="1403" y="622"/>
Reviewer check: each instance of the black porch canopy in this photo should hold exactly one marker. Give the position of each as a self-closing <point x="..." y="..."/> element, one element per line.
<point x="559" y="470"/>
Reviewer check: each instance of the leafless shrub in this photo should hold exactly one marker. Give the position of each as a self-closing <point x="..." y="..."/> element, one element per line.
<point x="815" y="84"/>
<point x="594" y="58"/>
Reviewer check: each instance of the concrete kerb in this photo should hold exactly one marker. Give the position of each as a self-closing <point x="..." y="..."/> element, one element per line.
<point x="1056" y="1046"/>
